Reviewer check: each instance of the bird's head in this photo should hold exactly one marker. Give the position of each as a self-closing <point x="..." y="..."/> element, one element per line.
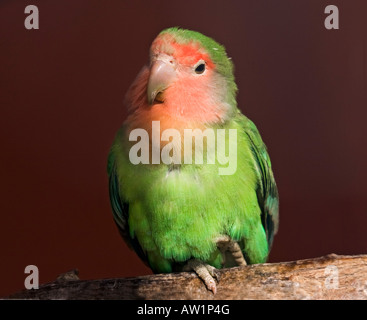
<point x="189" y="76"/>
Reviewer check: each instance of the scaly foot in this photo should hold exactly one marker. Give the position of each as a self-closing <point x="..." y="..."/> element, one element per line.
<point x="226" y="244"/>
<point x="205" y="272"/>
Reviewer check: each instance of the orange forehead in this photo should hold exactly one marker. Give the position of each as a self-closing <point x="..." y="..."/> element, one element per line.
<point x="185" y="53"/>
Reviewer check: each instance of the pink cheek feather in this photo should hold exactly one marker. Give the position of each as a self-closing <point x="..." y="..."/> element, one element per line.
<point x="188" y="104"/>
<point x="190" y="98"/>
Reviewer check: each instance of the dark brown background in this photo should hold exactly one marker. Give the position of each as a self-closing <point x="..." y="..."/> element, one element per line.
<point x="61" y="93"/>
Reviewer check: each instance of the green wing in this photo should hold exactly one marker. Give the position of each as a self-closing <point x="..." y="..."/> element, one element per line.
<point x="120" y="210"/>
<point x="267" y="192"/>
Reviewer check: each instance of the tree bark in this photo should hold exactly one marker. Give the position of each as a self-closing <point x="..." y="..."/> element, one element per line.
<point x="329" y="277"/>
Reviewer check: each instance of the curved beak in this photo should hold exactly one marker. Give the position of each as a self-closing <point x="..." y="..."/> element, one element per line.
<point x="162" y="74"/>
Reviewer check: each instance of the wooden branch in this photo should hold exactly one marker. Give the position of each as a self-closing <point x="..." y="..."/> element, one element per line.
<point x="329" y="277"/>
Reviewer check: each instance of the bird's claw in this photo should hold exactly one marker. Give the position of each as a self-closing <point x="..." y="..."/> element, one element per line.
<point x="226" y="244"/>
<point x="205" y="272"/>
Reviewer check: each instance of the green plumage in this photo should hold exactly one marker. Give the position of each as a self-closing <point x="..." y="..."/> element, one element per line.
<point x="169" y="217"/>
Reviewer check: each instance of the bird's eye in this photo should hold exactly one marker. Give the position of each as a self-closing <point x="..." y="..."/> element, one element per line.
<point x="200" y="68"/>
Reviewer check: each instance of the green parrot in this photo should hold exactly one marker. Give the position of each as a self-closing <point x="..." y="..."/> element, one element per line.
<point x="185" y="215"/>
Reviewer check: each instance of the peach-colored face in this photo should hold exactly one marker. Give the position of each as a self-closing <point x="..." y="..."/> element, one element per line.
<point x="182" y="82"/>
<point x="174" y="91"/>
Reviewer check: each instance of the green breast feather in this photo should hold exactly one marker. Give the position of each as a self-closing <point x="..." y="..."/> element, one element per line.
<point x="168" y="217"/>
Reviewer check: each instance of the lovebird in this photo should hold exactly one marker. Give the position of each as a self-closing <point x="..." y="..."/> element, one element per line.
<point x="190" y="180"/>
